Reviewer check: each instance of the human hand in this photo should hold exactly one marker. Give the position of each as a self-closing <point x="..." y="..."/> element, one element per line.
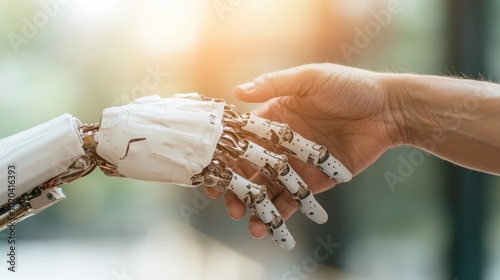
<point x="187" y="140"/>
<point x="345" y="109"/>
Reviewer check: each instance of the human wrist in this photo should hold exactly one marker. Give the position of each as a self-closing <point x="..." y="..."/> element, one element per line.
<point x="423" y="106"/>
<point x="453" y="118"/>
<point x="398" y="96"/>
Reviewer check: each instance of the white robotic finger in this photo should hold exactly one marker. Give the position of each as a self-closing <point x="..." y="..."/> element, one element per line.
<point x="284" y="138"/>
<point x="276" y="168"/>
<point x="185" y="139"/>
<point x="255" y="197"/>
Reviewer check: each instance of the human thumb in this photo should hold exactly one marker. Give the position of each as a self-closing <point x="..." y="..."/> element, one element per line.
<point x="274" y="84"/>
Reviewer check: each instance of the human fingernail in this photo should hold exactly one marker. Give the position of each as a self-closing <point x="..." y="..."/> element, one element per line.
<point x="247" y="87"/>
<point x="257" y="235"/>
<point x="257" y="230"/>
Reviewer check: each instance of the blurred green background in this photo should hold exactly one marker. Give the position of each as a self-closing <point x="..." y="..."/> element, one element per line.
<point x="442" y="222"/>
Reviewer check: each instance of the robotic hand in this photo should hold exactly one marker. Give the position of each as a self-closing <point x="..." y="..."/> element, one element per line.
<point x="184" y="139"/>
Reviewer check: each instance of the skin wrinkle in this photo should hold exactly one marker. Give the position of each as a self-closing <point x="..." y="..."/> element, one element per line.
<point x="292" y="103"/>
<point x="270" y="79"/>
<point x="389" y="119"/>
<point x="396" y="103"/>
<point x="319" y="133"/>
<point x="308" y="80"/>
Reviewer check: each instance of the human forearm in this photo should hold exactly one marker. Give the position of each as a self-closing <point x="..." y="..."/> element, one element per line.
<point x="456" y="119"/>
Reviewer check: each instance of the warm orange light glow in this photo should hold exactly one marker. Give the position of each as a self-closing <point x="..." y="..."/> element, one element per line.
<point x="167" y="25"/>
<point x="157" y="26"/>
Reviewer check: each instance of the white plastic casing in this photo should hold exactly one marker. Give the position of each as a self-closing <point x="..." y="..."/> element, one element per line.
<point x="39" y="154"/>
<point x="160" y="139"/>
